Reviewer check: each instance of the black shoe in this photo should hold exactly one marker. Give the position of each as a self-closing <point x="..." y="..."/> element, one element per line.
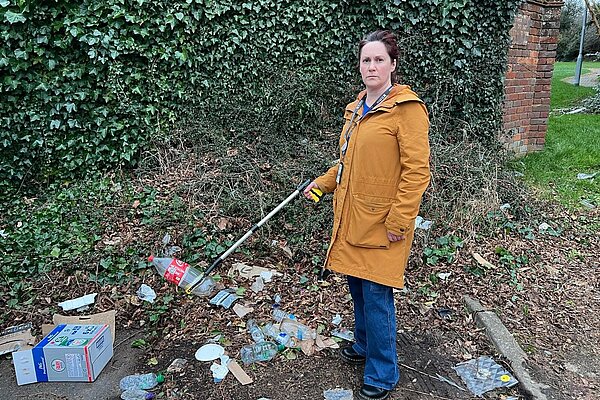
<point x="368" y="392"/>
<point x="348" y="354"/>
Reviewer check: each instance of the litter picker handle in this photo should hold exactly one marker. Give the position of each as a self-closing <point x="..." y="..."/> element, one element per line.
<point x="260" y="223"/>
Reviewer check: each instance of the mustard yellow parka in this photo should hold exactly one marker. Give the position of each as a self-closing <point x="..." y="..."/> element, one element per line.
<point x="386" y="171"/>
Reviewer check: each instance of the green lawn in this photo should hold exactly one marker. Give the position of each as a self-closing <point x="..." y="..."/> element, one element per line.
<point x="564" y="94"/>
<point x="572" y="146"/>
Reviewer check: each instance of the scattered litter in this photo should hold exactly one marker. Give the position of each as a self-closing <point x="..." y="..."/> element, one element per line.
<point x="241" y="310"/>
<point x="249" y="271"/>
<point x="505" y="207"/>
<point x="323" y="342"/>
<point x="176" y="365"/>
<point x="80" y="303"/>
<point x="166" y="239"/>
<point x="16" y="338"/>
<point x="587" y="204"/>
<point x="336" y="320"/>
<point x="421" y="223"/>
<point x="215" y="339"/>
<point x="484" y="374"/>
<point x="338" y="394"/>
<point x="239" y="373"/>
<point x="277" y="299"/>
<point x="518" y="174"/>
<point x="266" y="276"/>
<point x="171" y="251"/>
<point x="225" y="298"/>
<point x="3" y="234"/>
<point x="445" y="313"/>
<point x="146" y="293"/>
<point x="343" y="333"/>
<point x="586" y="176"/>
<point x="220" y="371"/>
<point x="436" y="376"/>
<point x="104" y="318"/>
<point x="449" y="382"/>
<point x="258" y="285"/>
<point x="483" y="262"/>
<point x="209" y="352"/>
<point x="444" y="275"/>
<point x="543" y="227"/>
<point x="576" y="111"/>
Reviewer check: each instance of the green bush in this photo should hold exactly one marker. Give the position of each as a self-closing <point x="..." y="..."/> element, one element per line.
<point x="87" y="85"/>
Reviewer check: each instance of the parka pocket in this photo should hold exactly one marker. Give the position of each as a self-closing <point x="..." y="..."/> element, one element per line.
<point x="366" y="224"/>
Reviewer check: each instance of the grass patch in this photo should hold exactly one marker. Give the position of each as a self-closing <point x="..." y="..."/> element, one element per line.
<point x="572" y="147"/>
<point x="565" y="94"/>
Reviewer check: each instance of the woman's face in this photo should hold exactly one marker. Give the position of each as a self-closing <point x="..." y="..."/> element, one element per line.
<point x="376" y="66"/>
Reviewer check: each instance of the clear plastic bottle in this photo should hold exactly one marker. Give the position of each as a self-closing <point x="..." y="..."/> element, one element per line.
<point x="281" y="338"/>
<point x="262" y="351"/>
<point x="279" y="315"/>
<point x="182" y="274"/>
<point x="256" y="333"/>
<point x="137" y="394"/>
<point x="141" y="381"/>
<point x="297" y="329"/>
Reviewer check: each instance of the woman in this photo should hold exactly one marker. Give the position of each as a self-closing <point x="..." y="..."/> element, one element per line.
<point x="378" y="183"/>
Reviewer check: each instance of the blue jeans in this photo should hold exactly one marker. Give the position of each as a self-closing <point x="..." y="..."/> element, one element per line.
<point x="375" y="331"/>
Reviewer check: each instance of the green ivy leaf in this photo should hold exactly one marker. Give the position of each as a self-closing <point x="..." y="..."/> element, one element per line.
<point x="13" y="17"/>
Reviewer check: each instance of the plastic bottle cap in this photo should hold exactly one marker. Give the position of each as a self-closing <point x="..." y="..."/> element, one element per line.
<point x="160" y="378"/>
<point x="150" y="258"/>
<point x="280" y="347"/>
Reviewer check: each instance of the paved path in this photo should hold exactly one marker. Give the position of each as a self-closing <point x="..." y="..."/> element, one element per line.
<point x="588" y="80"/>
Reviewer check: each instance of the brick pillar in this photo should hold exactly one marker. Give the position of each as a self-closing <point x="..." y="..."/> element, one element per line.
<point x="531" y="58"/>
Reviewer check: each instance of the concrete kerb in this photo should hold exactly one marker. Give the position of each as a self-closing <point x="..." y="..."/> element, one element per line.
<point x="506" y="344"/>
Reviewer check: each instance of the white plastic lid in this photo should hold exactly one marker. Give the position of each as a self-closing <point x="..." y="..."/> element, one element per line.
<point x="209" y="352"/>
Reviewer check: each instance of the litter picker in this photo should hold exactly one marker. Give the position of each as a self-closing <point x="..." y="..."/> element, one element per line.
<point x="316" y="195"/>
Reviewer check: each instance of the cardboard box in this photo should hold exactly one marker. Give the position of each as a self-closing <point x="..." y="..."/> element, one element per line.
<point x="71" y="352"/>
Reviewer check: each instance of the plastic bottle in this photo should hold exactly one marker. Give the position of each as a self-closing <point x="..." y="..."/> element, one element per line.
<point x="279" y="315"/>
<point x="281" y="338"/>
<point x="137" y="394"/>
<point x="297" y="329"/>
<point x="255" y="332"/>
<point x="262" y="351"/>
<point x="143" y="381"/>
<point x="182" y="274"/>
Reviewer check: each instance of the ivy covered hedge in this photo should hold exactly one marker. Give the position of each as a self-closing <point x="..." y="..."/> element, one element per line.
<point x="87" y="85"/>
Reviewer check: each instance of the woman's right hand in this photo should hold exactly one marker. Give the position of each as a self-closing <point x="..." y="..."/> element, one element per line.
<point x="308" y="188"/>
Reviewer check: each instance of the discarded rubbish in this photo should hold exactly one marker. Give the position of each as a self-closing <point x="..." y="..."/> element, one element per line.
<point x="587" y="204"/>
<point x="141" y="381"/>
<point x="336" y="320"/>
<point x="250" y="271"/>
<point x="258" y="285"/>
<point x="436" y="376"/>
<point x="16" y="338"/>
<point x="146" y="293"/>
<point x="239" y="373"/>
<point x="182" y="274"/>
<point x="75" y="353"/>
<point x="220" y="371"/>
<point x="176" y="365"/>
<point x="254" y="330"/>
<point x="297" y="329"/>
<point x="483" y="374"/>
<point x="338" y="394"/>
<point x="586" y="176"/>
<point x="263" y="351"/>
<point x="241" y="310"/>
<point x="209" y="352"/>
<point x="277" y="299"/>
<point x="281" y="338"/>
<point x="137" y="394"/>
<point x="421" y="223"/>
<point x="445" y="313"/>
<point x="505" y="207"/>
<point x="343" y="333"/>
<point x="444" y="275"/>
<point x="79" y="303"/>
<point x="225" y="298"/>
<point x="279" y="315"/>
<point x="103" y="318"/>
<point x="543" y="227"/>
<point x="266" y="276"/>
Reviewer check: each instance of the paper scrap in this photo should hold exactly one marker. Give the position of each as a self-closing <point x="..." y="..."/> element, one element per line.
<point x="249" y="271"/>
<point x="107" y="317"/>
<point x="16" y="338"/>
<point x="79" y="302"/>
<point x="241" y="310"/>
<point x="239" y="373"/>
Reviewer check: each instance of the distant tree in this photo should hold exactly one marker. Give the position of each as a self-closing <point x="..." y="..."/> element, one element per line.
<point x="570" y="30"/>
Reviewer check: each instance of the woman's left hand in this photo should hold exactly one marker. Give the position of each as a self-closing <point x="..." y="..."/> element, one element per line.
<point x="395" y="238"/>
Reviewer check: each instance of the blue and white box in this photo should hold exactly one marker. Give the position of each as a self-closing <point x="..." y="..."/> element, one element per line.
<point x="71" y="353"/>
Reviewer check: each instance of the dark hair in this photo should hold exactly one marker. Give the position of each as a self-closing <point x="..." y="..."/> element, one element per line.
<point x="391" y="45"/>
